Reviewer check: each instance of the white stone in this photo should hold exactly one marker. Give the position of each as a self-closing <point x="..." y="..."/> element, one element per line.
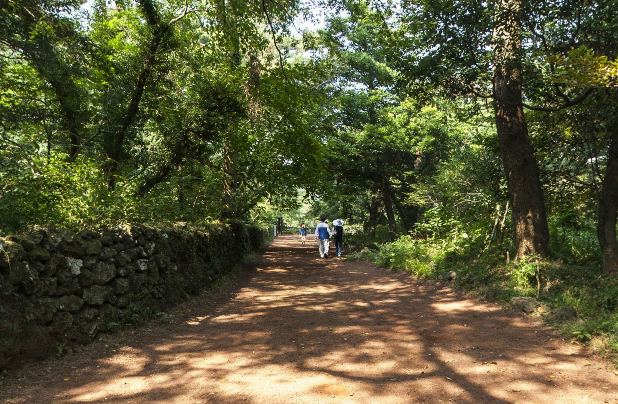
<point x="75" y="265"/>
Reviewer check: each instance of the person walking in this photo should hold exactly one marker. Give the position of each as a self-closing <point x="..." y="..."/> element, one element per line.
<point x="303" y="233"/>
<point x="323" y="234"/>
<point x="338" y="238"/>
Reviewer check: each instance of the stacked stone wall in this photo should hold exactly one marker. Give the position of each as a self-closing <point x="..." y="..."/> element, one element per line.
<point x="59" y="288"/>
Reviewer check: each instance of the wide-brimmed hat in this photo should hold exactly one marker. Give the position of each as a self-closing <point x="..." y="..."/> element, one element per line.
<point x="337" y="222"/>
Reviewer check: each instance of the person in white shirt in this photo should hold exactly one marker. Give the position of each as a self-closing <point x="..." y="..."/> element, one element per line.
<point x="323" y="234"/>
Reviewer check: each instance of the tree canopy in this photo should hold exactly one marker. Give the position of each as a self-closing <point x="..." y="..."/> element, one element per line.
<point x="430" y="118"/>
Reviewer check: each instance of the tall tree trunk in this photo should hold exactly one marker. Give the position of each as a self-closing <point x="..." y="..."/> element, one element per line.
<point x="388" y="207"/>
<point x="608" y="208"/>
<point x="230" y="205"/>
<point x="520" y="166"/>
<point x="374" y="211"/>
<point x="408" y="214"/>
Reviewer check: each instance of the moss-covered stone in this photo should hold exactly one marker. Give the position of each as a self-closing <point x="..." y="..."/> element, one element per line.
<point x="121" y="286"/>
<point x="66" y="287"/>
<point x="103" y="273"/>
<point x="97" y="295"/>
<point x="39" y="253"/>
<point x="70" y="303"/>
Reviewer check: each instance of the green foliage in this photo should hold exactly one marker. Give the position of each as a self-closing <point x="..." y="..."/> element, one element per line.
<point x="523" y="273"/>
<point x="581" y="67"/>
<point x="576" y="245"/>
<point x="152" y="111"/>
<point x="53" y="190"/>
<point x="405" y="254"/>
<point x="62" y="349"/>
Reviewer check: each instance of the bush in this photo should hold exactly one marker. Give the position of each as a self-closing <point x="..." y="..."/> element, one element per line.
<point x="407" y="254"/>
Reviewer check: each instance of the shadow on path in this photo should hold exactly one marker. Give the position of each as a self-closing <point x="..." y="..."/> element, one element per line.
<point x="302" y="329"/>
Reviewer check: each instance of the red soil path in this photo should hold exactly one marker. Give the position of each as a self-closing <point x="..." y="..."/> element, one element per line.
<point x="294" y="328"/>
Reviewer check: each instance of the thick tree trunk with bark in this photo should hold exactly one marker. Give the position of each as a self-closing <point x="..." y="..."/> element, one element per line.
<point x="520" y="166"/>
<point x="608" y="208"/>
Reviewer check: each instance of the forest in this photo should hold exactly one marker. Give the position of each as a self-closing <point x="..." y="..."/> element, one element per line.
<point x="467" y="136"/>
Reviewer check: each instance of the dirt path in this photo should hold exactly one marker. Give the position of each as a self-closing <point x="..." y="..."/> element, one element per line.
<point x="299" y="329"/>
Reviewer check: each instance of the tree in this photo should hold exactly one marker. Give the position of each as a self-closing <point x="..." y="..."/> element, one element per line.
<point x="362" y="84"/>
<point x="575" y="45"/>
<point x="608" y="202"/>
<point x="41" y="33"/>
<point x="152" y="92"/>
<point x="450" y="44"/>
<point x="520" y="166"/>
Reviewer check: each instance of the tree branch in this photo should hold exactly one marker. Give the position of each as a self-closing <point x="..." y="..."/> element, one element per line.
<point x="164" y="171"/>
<point x="272" y="29"/>
<point x="568" y="103"/>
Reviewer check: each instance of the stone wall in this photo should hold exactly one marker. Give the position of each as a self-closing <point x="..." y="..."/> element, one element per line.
<point x="59" y="288"/>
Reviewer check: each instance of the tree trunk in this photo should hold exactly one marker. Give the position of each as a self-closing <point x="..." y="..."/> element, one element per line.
<point x="608" y="208"/>
<point x="408" y="214"/>
<point x="520" y="166"/>
<point x="114" y="142"/>
<point x="228" y="183"/>
<point x="374" y="211"/>
<point x="388" y="207"/>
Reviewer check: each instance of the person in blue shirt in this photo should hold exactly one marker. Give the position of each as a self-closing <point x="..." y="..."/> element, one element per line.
<point x="303" y="232"/>
<point x="323" y="234"/>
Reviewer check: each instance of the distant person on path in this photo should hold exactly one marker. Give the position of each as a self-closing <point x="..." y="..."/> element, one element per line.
<point x="338" y="230"/>
<point x="323" y="234"/>
<point x="303" y="233"/>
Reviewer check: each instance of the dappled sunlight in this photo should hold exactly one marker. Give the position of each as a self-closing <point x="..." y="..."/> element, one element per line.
<point x="280" y="270"/>
<point x="315" y="332"/>
<point x="233" y="318"/>
<point x="454" y="306"/>
<point x="125" y="386"/>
